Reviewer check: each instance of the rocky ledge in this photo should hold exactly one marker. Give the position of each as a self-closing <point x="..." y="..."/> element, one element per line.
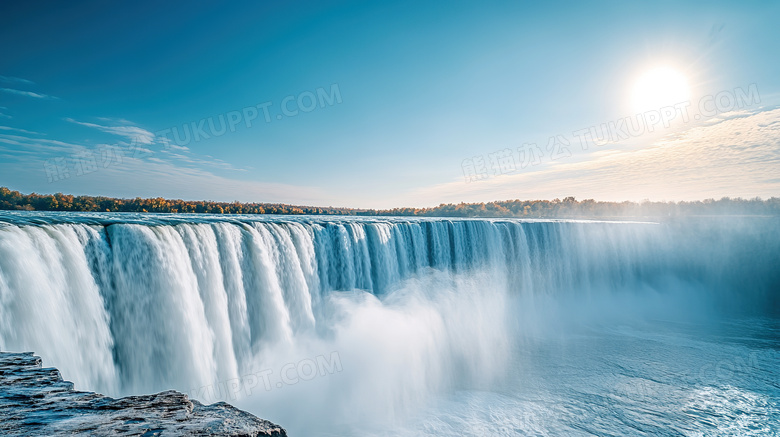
<point x="37" y="401"/>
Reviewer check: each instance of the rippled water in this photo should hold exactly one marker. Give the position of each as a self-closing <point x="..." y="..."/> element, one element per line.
<point x="662" y="379"/>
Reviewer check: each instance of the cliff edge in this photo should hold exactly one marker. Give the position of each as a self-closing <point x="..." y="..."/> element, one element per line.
<point x="37" y="401"/>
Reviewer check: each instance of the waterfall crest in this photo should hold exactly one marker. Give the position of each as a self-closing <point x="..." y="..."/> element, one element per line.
<point x="136" y="304"/>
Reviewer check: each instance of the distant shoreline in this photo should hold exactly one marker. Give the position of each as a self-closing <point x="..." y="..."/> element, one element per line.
<point x="568" y="208"/>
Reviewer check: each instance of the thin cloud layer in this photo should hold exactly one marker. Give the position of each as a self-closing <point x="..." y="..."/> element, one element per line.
<point x="733" y="156"/>
<point x="139" y="136"/>
<point x="28" y="94"/>
<point x="19" y="80"/>
<point x="138" y="175"/>
<point x="137" y="171"/>
<point x="133" y="133"/>
<point x="13" y="129"/>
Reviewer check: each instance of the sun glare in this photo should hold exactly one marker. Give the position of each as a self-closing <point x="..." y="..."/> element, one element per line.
<point x="659" y="87"/>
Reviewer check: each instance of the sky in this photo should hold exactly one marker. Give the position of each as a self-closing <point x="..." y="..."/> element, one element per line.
<point x="391" y="104"/>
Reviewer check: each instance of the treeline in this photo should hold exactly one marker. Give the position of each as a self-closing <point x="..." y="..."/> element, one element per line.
<point x="569" y="207"/>
<point x="14" y="200"/>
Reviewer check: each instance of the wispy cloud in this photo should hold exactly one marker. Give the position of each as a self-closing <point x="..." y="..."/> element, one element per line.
<point x="28" y="94"/>
<point x="9" y="128"/>
<point x="206" y="160"/>
<point x="115" y="120"/>
<point x="41" y="144"/>
<point x="10" y="79"/>
<point x="140" y="136"/>
<point x="137" y="134"/>
<point x="147" y="176"/>
<point x="736" y="156"/>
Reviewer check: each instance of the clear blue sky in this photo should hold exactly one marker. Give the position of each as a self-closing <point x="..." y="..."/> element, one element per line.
<point x="422" y="89"/>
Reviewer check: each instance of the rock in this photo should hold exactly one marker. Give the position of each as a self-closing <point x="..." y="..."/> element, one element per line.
<point x="37" y="401"/>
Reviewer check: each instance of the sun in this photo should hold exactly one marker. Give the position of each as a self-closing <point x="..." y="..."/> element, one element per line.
<point x="659" y="87"/>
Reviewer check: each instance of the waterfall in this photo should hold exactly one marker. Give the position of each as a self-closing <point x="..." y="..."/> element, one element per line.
<point x="133" y="304"/>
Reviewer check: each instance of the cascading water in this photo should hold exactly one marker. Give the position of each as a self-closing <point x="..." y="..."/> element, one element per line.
<point x="438" y="327"/>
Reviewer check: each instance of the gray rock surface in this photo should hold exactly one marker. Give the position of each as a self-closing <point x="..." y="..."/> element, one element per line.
<point x="37" y="401"/>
